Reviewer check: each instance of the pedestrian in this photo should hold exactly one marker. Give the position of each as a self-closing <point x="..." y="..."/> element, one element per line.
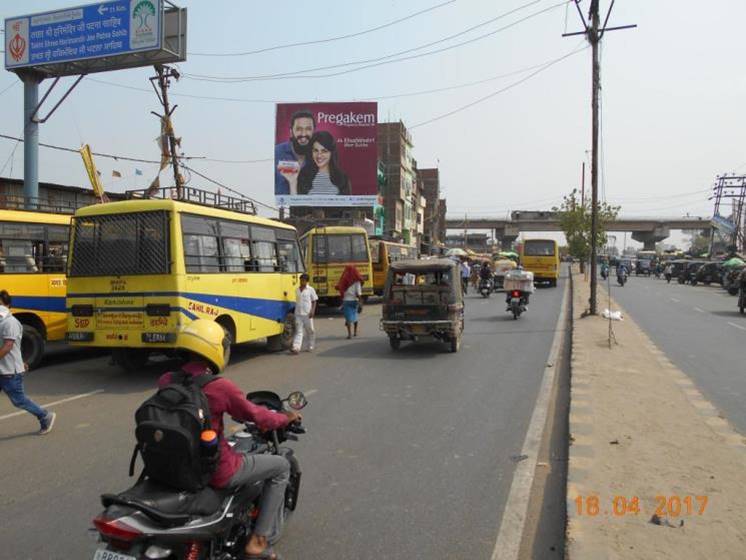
<point x="351" y="289"/>
<point x="12" y="367"/>
<point x="465" y="274"/>
<point x="306" y="301"/>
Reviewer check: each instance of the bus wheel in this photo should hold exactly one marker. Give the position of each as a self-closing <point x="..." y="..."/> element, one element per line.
<point x="32" y="346"/>
<point x="130" y="359"/>
<point x="284" y="340"/>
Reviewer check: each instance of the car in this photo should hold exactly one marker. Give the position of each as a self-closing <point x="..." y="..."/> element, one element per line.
<point x="688" y="274"/>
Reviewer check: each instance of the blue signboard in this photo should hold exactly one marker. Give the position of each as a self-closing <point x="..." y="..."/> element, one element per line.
<point x="98" y="30"/>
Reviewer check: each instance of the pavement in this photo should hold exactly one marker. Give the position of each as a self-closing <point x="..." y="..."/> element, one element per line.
<point x="700" y="330"/>
<point x="410" y="454"/>
<point x="655" y="469"/>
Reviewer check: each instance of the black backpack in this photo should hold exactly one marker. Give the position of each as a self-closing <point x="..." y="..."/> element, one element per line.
<point x="168" y="429"/>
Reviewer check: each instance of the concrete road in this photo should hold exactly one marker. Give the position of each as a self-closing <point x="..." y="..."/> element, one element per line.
<point x="700" y="330"/>
<point x="408" y="453"/>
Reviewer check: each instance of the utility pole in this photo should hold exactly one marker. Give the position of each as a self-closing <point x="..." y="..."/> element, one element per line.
<point x="594" y="33"/>
<point x="582" y="187"/>
<point x="165" y="73"/>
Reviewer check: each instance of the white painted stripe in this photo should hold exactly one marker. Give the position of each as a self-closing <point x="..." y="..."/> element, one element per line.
<point x="311" y="392"/>
<point x="698" y="310"/>
<point x="737" y="326"/>
<point x="673" y="299"/>
<point x="55" y="403"/>
<point x="510" y="534"/>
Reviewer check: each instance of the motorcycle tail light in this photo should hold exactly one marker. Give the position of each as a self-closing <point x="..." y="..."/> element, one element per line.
<point x="516" y="293"/>
<point x="115" y="529"/>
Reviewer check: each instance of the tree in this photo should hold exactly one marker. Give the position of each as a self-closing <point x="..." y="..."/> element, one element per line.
<point x="575" y="221"/>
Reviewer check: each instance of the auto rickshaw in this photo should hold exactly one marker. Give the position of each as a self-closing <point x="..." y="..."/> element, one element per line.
<point x="423" y="299"/>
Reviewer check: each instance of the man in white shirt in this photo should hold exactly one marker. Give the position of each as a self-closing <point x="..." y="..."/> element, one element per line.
<point x="305" y="309"/>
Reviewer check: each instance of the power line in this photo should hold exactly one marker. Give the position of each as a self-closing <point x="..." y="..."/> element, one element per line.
<point x="373" y="97"/>
<point x="380" y="61"/>
<point x="15" y="82"/>
<point x="502" y="90"/>
<point x="329" y="39"/>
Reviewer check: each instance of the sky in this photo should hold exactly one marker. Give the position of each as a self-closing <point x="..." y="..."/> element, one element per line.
<point x="672" y="98"/>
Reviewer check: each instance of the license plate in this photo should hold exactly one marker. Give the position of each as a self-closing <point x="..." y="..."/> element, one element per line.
<point x="515" y="300"/>
<point x="103" y="554"/>
<point x="419" y="329"/>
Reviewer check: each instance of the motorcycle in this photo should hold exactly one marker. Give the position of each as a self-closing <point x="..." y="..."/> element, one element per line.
<point x="604" y="272"/>
<point x="517" y="302"/>
<point x="486" y="287"/>
<point x="621" y="277"/>
<point x="150" y="521"/>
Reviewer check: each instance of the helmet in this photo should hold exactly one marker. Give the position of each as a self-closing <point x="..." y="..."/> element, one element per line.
<point x="206" y="339"/>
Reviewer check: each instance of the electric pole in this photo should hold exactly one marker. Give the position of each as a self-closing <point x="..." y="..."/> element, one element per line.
<point x="594" y="33"/>
<point x="165" y="73"/>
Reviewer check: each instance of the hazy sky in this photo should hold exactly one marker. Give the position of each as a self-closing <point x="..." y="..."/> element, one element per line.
<point x="673" y="97"/>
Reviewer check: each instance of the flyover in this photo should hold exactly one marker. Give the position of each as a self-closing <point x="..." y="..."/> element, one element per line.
<point x="647" y="231"/>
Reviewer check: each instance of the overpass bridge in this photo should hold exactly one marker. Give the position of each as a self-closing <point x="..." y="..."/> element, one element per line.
<point x="647" y="231"/>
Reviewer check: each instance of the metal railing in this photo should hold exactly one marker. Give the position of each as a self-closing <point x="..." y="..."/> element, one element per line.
<point x="37" y="204"/>
<point x="197" y="196"/>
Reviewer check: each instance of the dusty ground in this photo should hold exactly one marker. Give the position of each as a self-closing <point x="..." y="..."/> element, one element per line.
<point x="640" y="429"/>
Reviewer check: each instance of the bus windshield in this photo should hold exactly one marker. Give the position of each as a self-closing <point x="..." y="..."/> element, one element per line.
<point x="539" y="248"/>
<point x="338" y="248"/>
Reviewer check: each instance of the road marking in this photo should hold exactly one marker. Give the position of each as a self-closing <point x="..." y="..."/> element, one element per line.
<point x="737" y="326"/>
<point x="510" y="533"/>
<point x="311" y="392"/>
<point x="673" y="299"/>
<point x="55" y="403"/>
<point x="697" y="309"/>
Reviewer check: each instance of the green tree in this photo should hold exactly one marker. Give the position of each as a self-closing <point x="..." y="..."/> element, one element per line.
<point x="575" y="221"/>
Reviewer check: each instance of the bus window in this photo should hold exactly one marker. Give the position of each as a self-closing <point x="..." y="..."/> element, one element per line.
<point x="375" y="252"/>
<point x="539" y="248"/>
<point x="121" y="244"/>
<point x="264" y="249"/>
<point x="56" y="257"/>
<point x="236" y="253"/>
<point x="359" y="248"/>
<point x="290" y="259"/>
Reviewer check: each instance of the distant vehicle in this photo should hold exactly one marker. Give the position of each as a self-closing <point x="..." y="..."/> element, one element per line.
<point x="328" y="250"/>
<point x="709" y="272"/>
<point x="742" y="292"/>
<point x="423" y="299"/>
<point x="731" y="280"/>
<point x="645" y="261"/>
<point x="688" y="274"/>
<point x="33" y="258"/>
<point x="142" y="268"/>
<point x="541" y="256"/>
<point x="382" y="254"/>
<point x="677" y="266"/>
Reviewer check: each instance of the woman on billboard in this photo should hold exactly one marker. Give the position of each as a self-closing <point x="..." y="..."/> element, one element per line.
<point x="322" y="176"/>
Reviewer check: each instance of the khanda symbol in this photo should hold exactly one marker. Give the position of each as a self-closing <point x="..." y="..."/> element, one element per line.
<point x="17" y="46"/>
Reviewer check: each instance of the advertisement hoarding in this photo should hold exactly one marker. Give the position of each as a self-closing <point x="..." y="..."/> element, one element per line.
<point x="326" y="154"/>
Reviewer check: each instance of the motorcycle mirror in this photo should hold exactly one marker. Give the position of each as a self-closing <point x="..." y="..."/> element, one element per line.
<point x="297" y="400"/>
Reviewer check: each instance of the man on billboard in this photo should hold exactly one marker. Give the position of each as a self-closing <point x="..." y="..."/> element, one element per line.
<point x="292" y="156"/>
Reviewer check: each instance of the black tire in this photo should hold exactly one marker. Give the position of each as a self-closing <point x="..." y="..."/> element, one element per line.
<point x="553" y="283"/>
<point x="32" y="346"/>
<point x="284" y="340"/>
<point x="130" y="359"/>
<point x="516" y="312"/>
<point x="742" y="308"/>
<point x="694" y="282"/>
<point x="733" y="291"/>
<point x="394" y="342"/>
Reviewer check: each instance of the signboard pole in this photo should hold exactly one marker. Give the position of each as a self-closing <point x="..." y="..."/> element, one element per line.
<point x="31" y="83"/>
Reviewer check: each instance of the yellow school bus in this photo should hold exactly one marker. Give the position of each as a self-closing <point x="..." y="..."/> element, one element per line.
<point x="141" y="269"/>
<point x="33" y="252"/>
<point x="541" y="256"/>
<point x="328" y="250"/>
<point x="383" y="253"/>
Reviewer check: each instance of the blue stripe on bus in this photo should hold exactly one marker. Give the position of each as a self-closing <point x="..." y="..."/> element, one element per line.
<point x="273" y="310"/>
<point x="40" y="303"/>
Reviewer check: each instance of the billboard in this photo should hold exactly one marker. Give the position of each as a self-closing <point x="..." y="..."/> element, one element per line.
<point x="326" y="154"/>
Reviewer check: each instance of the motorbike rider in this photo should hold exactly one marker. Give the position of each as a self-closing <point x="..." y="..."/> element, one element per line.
<point x="604" y="270"/>
<point x="205" y="342"/>
<point x="622" y="270"/>
<point x="485" y="272"/>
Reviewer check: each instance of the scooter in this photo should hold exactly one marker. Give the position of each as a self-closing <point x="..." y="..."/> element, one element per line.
<point x="517" y="302"/>
<point x="485" y="287"/>
<point x="151" y="521"/>
<point x="621" y="277"/>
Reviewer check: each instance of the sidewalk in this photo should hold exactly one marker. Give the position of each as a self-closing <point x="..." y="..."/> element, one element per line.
<point x="640" y="429"/>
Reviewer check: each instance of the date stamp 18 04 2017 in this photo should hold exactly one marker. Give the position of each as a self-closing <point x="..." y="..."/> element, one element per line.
<point x="619" y="506"/>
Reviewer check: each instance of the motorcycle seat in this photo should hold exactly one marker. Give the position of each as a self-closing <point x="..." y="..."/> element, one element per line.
<point x="167" y="506"/>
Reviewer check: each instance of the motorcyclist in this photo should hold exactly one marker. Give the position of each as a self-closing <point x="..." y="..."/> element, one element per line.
<point x="205" y="342"/>
<point x="485" y="272"/>
<point x="604" y="270"/>
<point x="622" y="270"/>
